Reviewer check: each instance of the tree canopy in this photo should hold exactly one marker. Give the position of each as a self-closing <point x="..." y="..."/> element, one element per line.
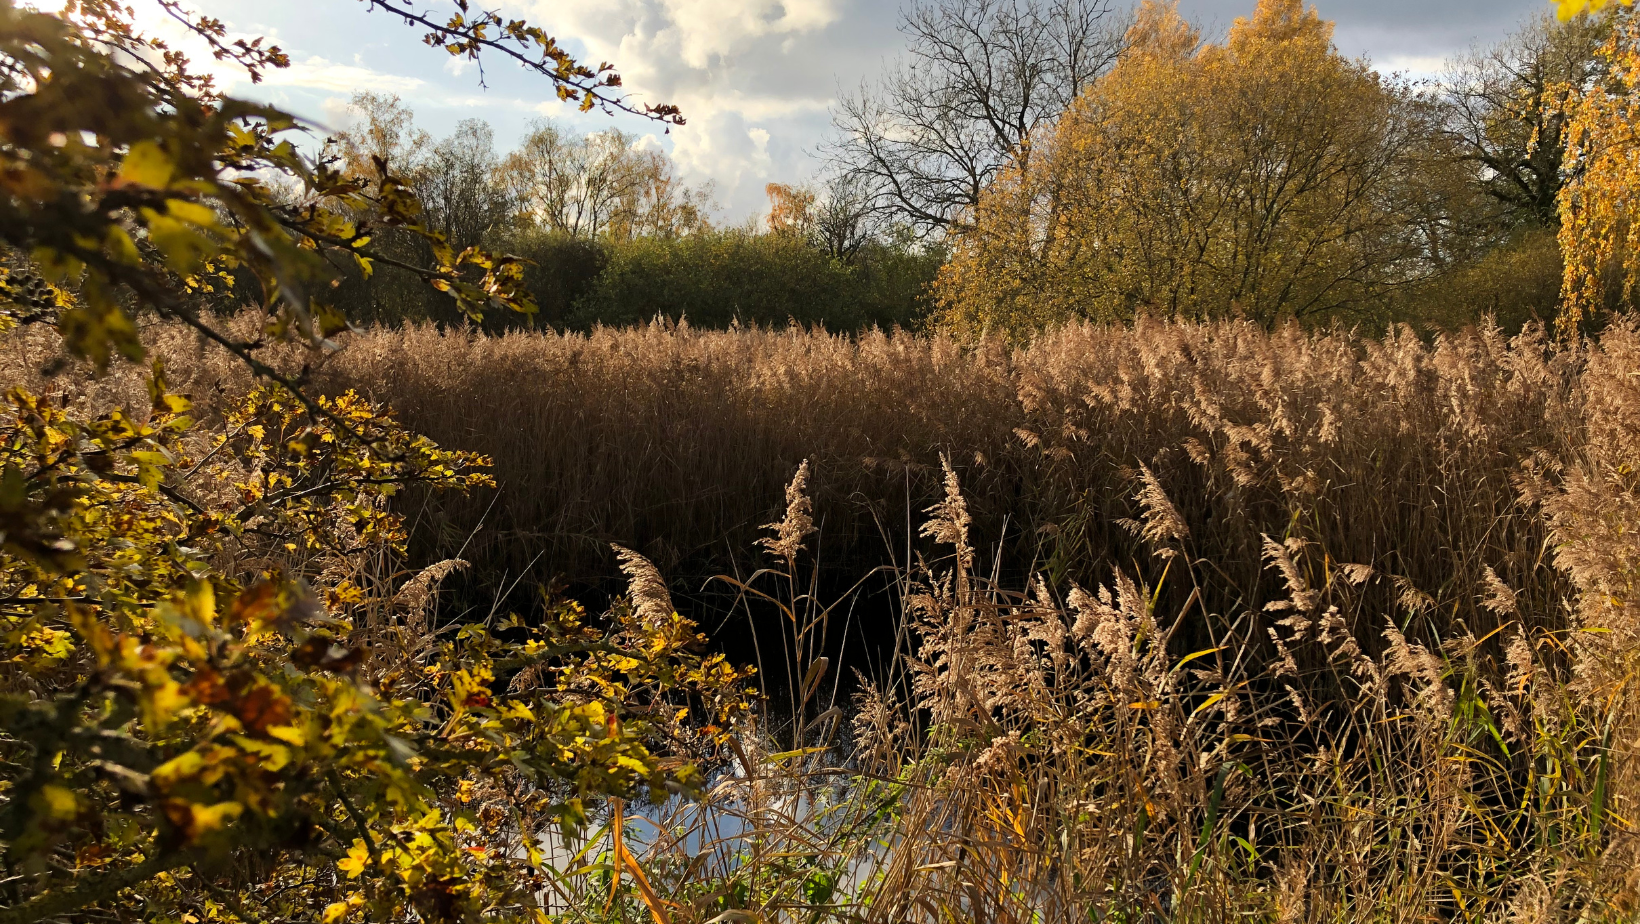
<point x="1599" y="238"/>
<point x="978" y="77"/>
<point x="1267" y="176"/>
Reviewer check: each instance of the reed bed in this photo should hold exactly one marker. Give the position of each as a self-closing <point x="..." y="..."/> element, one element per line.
<point x="1189" y="621"/>
<point x="1399" y="454"/>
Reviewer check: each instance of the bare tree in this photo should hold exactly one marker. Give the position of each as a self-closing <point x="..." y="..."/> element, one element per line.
<point x="460" y="185"/>
<point x="383" y="128"/>
<point x="660" y="204"/>
<point x="845" y="217"/>
<point x="457" y="178"/>
<point x="1504" y="113"/>
<point x="836" y="215"/>
<point x="601" y="185"/>
<point x="980" y="76"/>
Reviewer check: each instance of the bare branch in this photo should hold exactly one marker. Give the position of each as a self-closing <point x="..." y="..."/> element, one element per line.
<point x="980" y="77"/>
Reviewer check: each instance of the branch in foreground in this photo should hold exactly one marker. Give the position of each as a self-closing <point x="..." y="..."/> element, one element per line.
<point x="91" y="889"/>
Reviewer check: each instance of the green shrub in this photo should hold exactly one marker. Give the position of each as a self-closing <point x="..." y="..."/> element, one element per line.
<point x="722" y="277"/>
<point x="713" y="279"/>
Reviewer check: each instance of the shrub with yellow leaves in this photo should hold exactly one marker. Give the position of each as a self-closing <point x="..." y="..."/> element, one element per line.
<point x="222" y="738"/>
<point x="220" y="698"/>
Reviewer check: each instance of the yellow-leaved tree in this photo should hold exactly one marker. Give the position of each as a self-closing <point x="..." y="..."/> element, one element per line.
<point x="1566" y="9"/>
<point x="1268" y="176"/>
<point x="1599" y="240"/>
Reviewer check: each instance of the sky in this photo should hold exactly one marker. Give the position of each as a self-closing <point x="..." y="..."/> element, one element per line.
<point x="755" y="78"/>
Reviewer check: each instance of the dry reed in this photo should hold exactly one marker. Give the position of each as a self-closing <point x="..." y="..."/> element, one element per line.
<point x="1396" y="455"/>
<point x="1286" y="625"/>
<point x="1038" y="759"/>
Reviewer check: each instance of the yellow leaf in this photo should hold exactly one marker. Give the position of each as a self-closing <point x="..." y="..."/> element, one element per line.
<point x="59" y="801"/>
<point x="275" y="757"/>
<point x="1208" y="704"/>
<point x="1200" y="654"/>
<point x="178" y="768"/>
<point x="289" y="734"/>
<point x="120" y="247"/>
<point x="211" y="817"/>
<point x="191" y="212"/>
<point x="335" y="912"/>
<point x="1566" y="9"/>
<point x="201" y="599"/>
<point x="354" y="863"/>
<point x="162" y="703"/>
<point x="184" y="248"/>
<point x="147" y="164"/>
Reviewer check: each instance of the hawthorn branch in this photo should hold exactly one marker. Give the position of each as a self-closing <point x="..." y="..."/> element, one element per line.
<point x="571" y="77"/>
<point x="92" y="888"/>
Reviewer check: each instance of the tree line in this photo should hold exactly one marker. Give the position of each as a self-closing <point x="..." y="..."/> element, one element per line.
<point x="1082" y="161"/>
<point x="609" y="234"/>
<point x="1030" y="161"/>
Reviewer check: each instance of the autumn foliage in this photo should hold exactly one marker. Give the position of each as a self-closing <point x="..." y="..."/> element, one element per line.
<point x="223" y="688"/>
<point x="1598" y="235"/>
<point x="1268" y="176"/>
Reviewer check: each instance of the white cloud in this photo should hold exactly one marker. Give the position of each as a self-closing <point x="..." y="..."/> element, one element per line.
<point x="317" y="73"/>
<point x="335" y="114"/>
<point x="313" y="72"/>
<point x="754" y="78"/>
<point x="1412" y="65"/>
<point x="704" y="31"/>
<point x="457" y="65"/>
